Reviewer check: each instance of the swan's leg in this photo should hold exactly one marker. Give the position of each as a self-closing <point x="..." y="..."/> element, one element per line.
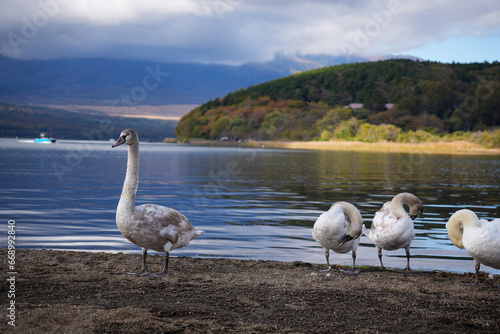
<point x="407" y="258"/>
<point x="478" y="265"/>
<point x="379" y="250"/>
<point x="353" y="261"/>
<point x="144" y="270"/>
<point x="327" y="256"/>
<point x="165" y="267"/>
<point x="353" y="269"/>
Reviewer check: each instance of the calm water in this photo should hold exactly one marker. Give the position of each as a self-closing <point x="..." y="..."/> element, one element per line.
<point x="252" y="203"/>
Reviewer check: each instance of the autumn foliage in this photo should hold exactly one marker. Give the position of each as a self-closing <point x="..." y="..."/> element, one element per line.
<point x="397" y="97"/>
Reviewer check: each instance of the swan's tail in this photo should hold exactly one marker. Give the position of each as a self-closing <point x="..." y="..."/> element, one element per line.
<point x="366" y="231"/>
<point x="199" y="232"/>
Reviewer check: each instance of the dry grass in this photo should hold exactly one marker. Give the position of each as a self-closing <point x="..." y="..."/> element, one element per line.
<point x="455" y="147"/>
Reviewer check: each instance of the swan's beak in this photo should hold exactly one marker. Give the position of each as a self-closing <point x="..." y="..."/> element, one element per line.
<point x="120" y="141"/>
<point x="344" y="238"/>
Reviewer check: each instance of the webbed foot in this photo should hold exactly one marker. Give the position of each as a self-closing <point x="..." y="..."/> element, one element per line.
<point x="158" y="275"/>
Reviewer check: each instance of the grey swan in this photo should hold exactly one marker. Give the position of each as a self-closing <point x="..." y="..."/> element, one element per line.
<point x="149" y="226"/>
<point x="392" y="227"/>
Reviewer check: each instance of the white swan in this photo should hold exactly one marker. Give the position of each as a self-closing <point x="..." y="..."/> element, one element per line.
<point x="149" y="226"/>
<point x="339" y="229"/>
<point x="392" y="227"/>
<point x="479" y="237"/>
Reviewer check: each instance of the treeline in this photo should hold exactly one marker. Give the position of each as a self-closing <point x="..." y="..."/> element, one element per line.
<point x="29" y="122"/>
<point x="427" y="96"/>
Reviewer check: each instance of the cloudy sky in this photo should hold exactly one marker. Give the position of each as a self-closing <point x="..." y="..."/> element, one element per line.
<point x="239" y="31"/>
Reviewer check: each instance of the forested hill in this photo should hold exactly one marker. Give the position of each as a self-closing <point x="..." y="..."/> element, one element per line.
<point x="424" y="96"/>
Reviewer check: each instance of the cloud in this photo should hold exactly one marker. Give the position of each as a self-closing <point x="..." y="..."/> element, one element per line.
<point x="234" y="31"/>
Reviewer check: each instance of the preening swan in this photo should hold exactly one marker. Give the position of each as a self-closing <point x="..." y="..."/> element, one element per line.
<point x="339" y="229"/>
<point x="392" y="227"/>
<point x="149" y="226"/>
<point x="479" y="237"/>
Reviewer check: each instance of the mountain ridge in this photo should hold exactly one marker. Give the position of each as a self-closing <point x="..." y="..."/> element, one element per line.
<point x="103" y="81"/>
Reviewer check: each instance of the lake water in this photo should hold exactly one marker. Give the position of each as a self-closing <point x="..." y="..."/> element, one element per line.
<point x="252" y="203"/>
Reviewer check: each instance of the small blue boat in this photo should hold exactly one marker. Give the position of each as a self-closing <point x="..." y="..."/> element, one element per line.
<point x="45" y="139"/>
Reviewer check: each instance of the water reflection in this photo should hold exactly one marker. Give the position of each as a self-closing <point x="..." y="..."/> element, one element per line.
<point x="252" y="203"/>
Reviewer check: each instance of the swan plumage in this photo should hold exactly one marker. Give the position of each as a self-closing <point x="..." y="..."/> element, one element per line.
<point x="338" y="229"/>
<point x="392" y="227"/>
<point x="149" y="226"/>
<point x="479" y="237"/>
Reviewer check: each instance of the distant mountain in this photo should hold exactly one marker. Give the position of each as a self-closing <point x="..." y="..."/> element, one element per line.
<point x="127" y="82"/>
<point x="29" y="122"/>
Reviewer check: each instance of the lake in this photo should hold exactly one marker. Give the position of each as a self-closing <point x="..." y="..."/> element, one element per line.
<point x="252" y="203"/>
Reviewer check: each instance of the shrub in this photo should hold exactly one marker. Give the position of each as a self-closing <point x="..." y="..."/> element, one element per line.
<point x="326" y="135"/>
<point x="373" y="133"/>
<point x="418" y="136"/>
<point x="488" y="139"/>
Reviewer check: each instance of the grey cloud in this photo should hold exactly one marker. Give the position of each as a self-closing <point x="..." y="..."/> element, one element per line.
<point x="233" y="31"/>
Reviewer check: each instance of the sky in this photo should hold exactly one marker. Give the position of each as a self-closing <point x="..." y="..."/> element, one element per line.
<point x="239" y="31"/>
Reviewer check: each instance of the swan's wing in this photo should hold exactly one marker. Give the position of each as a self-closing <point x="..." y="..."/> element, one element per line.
<point x="482" y="242"/>
<point x="331" y="223"/>
<point x="330" y="227"/>
<point x="381" y="218"/>
<point x="162" y="228"/>
<point x="389" y="232"/>
<point x="492" y="227"/>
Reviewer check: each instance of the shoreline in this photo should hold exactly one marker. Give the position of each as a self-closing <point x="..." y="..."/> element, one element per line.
<point x="81" y="292"/>
<point x="454" y="147"/>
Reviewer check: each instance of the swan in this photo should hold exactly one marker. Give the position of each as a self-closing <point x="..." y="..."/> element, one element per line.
<point x="392" y="227"/>
<point x="339" y="229"/>
<point x="149" y="226"/>
<point x="479" y="237"/>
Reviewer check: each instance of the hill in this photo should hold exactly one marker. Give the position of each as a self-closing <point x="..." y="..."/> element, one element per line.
<point x="385" y="98"/>
<point x="29" y="122"/>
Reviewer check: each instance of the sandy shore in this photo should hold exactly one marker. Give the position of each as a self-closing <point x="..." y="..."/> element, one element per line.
<point x="455" y="147"/>
<point x="79" y="292"/>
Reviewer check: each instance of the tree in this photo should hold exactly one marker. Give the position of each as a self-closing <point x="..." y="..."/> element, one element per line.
<point x="274" y="123"/>
<point x="220" y="125"/>
<point x="333" y="118"/>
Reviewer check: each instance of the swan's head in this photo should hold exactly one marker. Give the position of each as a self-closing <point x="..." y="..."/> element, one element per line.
<point x="414" y="204"/>
<point x="128" y="137"/>
<point x="416" y="210"/>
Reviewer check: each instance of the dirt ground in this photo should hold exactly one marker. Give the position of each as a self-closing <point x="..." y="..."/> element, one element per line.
<point x="78" y="292"/>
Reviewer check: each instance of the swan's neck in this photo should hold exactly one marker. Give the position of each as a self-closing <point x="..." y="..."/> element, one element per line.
<point x="399" y="200"/>
<point x="455" y="225"/>
<point x="354" y="217"/>
<point x="127" y="199"/>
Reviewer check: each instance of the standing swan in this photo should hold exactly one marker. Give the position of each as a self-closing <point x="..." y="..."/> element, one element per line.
<point x="392" y="227"/>
<point x="480" y="238"/>
<point x="149" y="226"/>
<point x="339" y="229"/>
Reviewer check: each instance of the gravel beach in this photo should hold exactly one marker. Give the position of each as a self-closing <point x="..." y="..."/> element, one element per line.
<point x="80" y="292"/>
